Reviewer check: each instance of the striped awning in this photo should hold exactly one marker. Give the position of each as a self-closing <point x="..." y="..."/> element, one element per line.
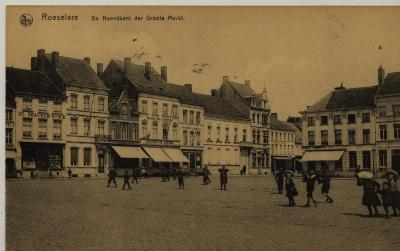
<point x="128" y="152"/>
<point x="322" y="156"/>
<point x="157" y="154"/>
<point x="175" y="154"/>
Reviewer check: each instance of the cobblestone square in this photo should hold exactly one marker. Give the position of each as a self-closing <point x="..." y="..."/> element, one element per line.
<point x="83" y="214"/>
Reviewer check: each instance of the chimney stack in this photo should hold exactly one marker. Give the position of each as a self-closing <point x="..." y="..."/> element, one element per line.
<point x="381" y="74"/>
<point x="225" y="78"/>
<point x="247" y="83"/>
<point x="164" y="73"/>
<point x="188" y="87"/>
<point x="41" y="54"/>
<point x="147" y="70"/>
<point x="87" y="60"/>
<point x="34" y="63"/>
<point x="55" y="59"/>
<point x="214" y="92"/>
<point x="127" y="63"/>
<point x="99" y="69"/>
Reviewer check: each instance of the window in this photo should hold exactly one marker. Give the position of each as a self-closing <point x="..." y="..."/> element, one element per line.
<point x="352" y="137"/>
<point x="165" y="131"/>
<point x="382" y="111"/>
<point x="185" y="118"/>
<point x="235" y="135"/>
<point x="56" y="129"/>
<point x="396" y="110"/>
<point x="124" y="130"/>
<point x="27" y="127"/>
<point x="86" y="156"/>
<point x="244" y="135"/>
<point x="218" y="133"/>
<point x="351" y="119"/>
<point x="191" y="117"/>
<point x="337" y="119"/>
<point x="155" y="108"/>
<point x="396" y="131"/>
<point x="226" y="134"/>
<point x="382" y="158"/>
<point x="175" y="131"/>
<point x="57" y="106"/>
<point x="74" y="126"/>
<point x="74" y="101"/>
<point x="100" y="127"/>
<point x="254" y="118"/>
<point x="27" y="104"/>
<point x="100" y="105"/>
<point x="383" y="132"/>
<point x="185" y="138"/>
<point x="165" y="110"/>
<point x="365" y="117"/>
<point x="311" y="121"/>
<point x="254" y="136"/>
<point x="42" y="105"/>
<point x="352" y="160"/>
<point x="86" y="103"/>
<point x="258" y="118"/>
<point x="144" y="107"/>
<point x="366" y="159"/>
<point x="174" y="111"/>
<point x="124" y="108"/>
<point x="338" y="137"/>
<point x="133" y="131"/>
<point x="42" y="128"/>
<point x="198" y="118"/>
<point x="86" y="125"/>
<point x="324" y="120"/>
<point x="265" y="137"/>
<point x="74" y="156"/>
<point x="113" y="130"/>
<point x="154" y="131"/>
<point x="9" y="136"/>
<point x="366" y="136"/>
<point x="198" y="138"/>
<point x="9" y="115"/>
<point x="209" y="128"/>
<point x="311" y="138"/>
<point x="145" y="134"/>
<point x="324" y="137"/>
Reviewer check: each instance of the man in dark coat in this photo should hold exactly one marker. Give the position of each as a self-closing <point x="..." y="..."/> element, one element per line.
<point x="310" y="179"/>
<point x="279" y="180"/>
<point x="206" y="176"/>
<point x="126" y="180"/>
<point x="370" y="197"/>
<point x="223" y="177"/>
<point x="135" y="174"/>
<point x="180" y="174"/>
<point x="69" y="173"/>
<point x="111" y="177"/>
<point x="325" y="179"/>
<point x="244" y="169"/>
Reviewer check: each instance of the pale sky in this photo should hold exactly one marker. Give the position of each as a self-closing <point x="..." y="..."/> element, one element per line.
<point x="300" y="53"/>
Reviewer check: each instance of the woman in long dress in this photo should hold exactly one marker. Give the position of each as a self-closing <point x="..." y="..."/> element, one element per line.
<point x="291" y="190"/>
<point x="370" y="197"/>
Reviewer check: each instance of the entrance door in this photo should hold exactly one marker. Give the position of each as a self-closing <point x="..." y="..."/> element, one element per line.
<point x="11" y="171"/>
<point x="192" y="159"/>
<point x="101" y="163"/>
<point x="396" y="160"/>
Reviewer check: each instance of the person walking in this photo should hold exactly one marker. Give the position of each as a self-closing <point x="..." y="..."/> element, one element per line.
<point x="290" y="187"/>
<point x="111" y="177"/>
<point x="244" y="169"/>
<point x="370" y="197"/>
<point x="126" y="180"/>
<point x="394" y="189"/>
<point x="167" y="173"/>
<point x="180" y="174"/>
<point x="223" y="177"/>
<point x="206" y="176"/>
<point x="325" y="179"/>
<point x="279" y="180"/>
<point x="69" y="173"/>
<point x="135" y="175"/>
<point x="310" y="179"/>
<point x="386" y="196"/>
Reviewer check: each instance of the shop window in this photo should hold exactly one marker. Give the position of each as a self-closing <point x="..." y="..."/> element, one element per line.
<point x="87" y="156"/>
<point x="74" y="156"/>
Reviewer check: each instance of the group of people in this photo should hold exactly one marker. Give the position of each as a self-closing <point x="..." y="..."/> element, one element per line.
<point x="112" y="174"/>
<point x="310" y="179"/>
<point x="388" y="191"/>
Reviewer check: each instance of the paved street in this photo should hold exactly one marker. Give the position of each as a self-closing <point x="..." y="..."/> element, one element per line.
<point x="86" y="215"/>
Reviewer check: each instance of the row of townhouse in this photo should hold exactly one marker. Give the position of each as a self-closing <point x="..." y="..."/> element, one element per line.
<point x="355" y="128"/>
<point x="62" y="114"/>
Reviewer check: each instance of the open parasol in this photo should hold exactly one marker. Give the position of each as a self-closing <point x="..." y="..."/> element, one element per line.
<point x="396" y="174"/>
<point x="365" y="174"/>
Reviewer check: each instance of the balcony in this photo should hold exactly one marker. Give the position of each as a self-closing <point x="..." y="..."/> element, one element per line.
<point x="159" y="142"/>
<point x="10" y="146"/>
<point x="101" y="138"/>
<point x="245" y="144"/>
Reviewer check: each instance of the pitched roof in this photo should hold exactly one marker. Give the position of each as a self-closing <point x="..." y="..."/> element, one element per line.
<point x="391" y="84"/>
<point x="281" y="125"/>
<point x="243" y="90"/>
<point x="22" y="81"/>
<point x="77" y="72"/>
<point x="10" y="98"/>
<point x="344" y="99"/>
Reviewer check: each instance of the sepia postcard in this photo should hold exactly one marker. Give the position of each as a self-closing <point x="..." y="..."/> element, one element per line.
<point x="201" y="128"/>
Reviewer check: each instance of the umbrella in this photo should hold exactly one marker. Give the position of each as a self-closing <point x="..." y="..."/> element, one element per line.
<point x="396" y="174"/>
<point x="290" y="172"/>
<point x="365" y="175"/>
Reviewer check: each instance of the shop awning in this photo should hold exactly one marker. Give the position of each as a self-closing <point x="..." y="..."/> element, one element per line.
<point x="128" y="152"/>
<point x="322" y="156"/>
<point x="175" y="154"/>
<point x="282" y="157"/>
<point x="157" y="154"/>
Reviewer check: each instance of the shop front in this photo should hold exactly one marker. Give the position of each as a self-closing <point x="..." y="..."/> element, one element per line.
<point x="42" y="156"/>
<point x="193" y="161"/>
<point x="157" y="161"/>
<point x="284" y="162"/>
<point x="127" y="158"/>
<point x="319" y="161"/>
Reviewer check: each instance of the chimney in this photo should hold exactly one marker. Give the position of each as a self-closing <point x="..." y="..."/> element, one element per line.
<point x="41" y="54"/>
<point x="55" y="59"/>
<point x="127" y="63"/>
<point x="147" y="70"/>
<point x="381" y="74"/>
<point x="225" y="78"/>
<point x="164" y="73"/>
<point x="341" y="87"/>
<point x="34" y="63"/>
<point x="247" y="83"/>
<point x="214" y="92"/>
<point x="87" y="60"/>
<point x="99" y="69"/>
<point x="274" y="115"/>
<point x="188" y="87"/>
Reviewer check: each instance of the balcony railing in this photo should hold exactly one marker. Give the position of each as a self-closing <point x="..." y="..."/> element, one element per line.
<point x="101" y="138"/>
<point x="159" y="142"/>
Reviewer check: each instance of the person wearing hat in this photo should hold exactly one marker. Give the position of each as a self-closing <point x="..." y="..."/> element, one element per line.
<point x="206" y="176"/>
<point x="310" y="179"/>
<point x="126" y="180"/>
<point x="291" y="190"/>
<point x="180" y="176"/>
<point x="386" y="196"/>
<point x="223" y="176"/>
<point x="111" y="177"/>
<point x="279" y="180"/>
<point x="325" y="179"/>
<point x="370" y="197"/>
<point x="394" y="189"/>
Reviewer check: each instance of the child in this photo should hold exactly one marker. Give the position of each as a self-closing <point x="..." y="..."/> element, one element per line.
<point x="386" y="195"/>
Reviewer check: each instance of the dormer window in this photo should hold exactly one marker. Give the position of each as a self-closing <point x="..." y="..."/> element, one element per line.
<point x="124" y="108"/>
